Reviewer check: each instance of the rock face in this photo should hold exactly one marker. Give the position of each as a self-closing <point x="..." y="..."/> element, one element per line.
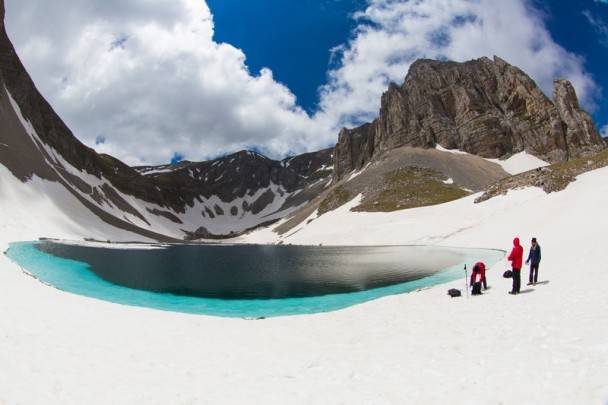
<point x="485" y="107"/>
<point x="580" y="130"/>
<point x="239" y="174"/>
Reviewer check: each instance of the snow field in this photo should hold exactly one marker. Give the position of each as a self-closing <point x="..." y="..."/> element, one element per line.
<point x="544" y="346"/>
<point x="547" y="345"/>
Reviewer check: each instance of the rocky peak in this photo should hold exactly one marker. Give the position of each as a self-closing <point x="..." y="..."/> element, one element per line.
<point x="565" y="95"/>
<point x="486" y="107"/>
<point x="580" y="131"/>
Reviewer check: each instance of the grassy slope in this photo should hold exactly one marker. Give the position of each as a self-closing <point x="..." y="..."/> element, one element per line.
<point x="407" y="187"/>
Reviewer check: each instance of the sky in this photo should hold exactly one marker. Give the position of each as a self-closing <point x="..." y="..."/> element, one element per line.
<point x="155" y="81"/>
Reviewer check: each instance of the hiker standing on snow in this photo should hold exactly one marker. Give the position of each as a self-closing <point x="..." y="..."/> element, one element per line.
<point x="534" y="260"/>
<point x="516" y="258"/>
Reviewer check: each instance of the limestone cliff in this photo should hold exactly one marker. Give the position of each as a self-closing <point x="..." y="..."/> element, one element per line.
<point x="485" y="107"/>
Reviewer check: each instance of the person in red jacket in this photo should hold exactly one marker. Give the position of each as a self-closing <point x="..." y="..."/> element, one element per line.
<point x="479" y="273"/>
<point x="516" y="258"/>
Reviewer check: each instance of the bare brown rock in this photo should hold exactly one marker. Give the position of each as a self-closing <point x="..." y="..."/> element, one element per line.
<point x="485" y="107"/>
<point x="581" y="132"/>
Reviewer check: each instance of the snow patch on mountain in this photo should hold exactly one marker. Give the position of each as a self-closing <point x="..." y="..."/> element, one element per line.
<point x="549" y="342"/>
<point x="516" y="164"/>
<point x="220" y="222"/>
<point x="520" y="162"/>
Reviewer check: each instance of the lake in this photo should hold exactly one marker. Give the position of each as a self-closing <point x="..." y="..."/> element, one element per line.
<point x="243" y="280"/>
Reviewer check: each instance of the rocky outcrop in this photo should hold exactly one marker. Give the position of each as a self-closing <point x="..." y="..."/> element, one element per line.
<point x="580" y="131"/>
<point x="485" y="107"/>
<point x="355" y="147"/>
<point x="555" y="177"/>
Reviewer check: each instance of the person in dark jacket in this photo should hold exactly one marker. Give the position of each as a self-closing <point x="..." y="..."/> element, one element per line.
<point x="534" y="260"/>
<point x="516" y="258"/>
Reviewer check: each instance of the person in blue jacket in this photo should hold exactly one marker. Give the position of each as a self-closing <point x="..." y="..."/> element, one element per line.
<point x="534" y="260"/>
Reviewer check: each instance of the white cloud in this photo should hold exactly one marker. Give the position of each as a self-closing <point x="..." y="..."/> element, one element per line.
<point x="604" y="131"/>
<point x="400" y="32"/>
<point x="148" y="78"/>
<point x="600" y="27"/>
<point x="153" y="84"/>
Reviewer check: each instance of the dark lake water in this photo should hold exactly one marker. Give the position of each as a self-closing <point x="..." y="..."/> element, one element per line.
<point x="249" y="281"/>
<point x="257" y="271"/>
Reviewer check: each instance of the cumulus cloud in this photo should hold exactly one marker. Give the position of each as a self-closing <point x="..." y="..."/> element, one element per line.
<point x="393" y="34"/>
<point x="604" y="131"/>
<point x="149" y="80"/>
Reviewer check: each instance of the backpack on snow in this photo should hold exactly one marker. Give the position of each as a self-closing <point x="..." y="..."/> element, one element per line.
<point x="453" y="292"/>
<point x="508" y="274"/>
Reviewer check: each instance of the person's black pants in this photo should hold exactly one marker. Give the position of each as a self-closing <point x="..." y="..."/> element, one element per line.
<point x="485" y="283"/>
<point x="534" y="273"/>
<point x="516" y="280"/>
<point x="476" y="290"/>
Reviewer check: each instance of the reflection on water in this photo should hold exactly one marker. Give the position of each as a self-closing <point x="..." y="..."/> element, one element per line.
<point x="244" y="280"/>
<point x="256" y="271"/>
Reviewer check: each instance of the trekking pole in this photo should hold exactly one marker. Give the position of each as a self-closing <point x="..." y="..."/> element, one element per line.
<point x="466" y="280"/>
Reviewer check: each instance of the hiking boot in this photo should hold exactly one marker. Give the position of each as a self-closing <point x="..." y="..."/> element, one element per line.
<point x="530" y="283"/>
<point x="512" y="292"/>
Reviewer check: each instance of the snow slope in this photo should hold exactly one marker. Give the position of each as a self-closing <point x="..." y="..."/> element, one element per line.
<point x="545" y="346"/>
<point x="212" y="213"/>
<point x="41" y="208"/>
<point x="516" y="164"/>
<point x="520" y="162"/>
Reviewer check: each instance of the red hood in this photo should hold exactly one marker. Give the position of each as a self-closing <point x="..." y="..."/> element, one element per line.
<point x="516" y="242"/>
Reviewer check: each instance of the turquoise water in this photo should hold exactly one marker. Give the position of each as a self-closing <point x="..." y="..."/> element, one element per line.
<point x="76" y="277"/>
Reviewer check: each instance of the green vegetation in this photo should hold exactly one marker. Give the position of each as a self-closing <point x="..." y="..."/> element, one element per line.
<point x="409" y="188"/>
<point x="583" y="164"/>
<point x="555" y="177"/>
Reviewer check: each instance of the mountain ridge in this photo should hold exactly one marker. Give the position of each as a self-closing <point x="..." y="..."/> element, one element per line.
<point x="485" y="107"/>
<point x="122" y="196"/>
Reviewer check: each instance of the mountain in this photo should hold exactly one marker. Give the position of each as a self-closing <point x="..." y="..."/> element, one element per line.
<point x="547" y="345"/>
<point x="485" y="107"/>
<point x="235" y="193"/>
<point x="211" y="199"/>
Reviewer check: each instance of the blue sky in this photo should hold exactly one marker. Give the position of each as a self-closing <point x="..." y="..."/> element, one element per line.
<point x="148" y="82"/>
<point x="583" y="28"/>
<point x="294" y="38"/>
